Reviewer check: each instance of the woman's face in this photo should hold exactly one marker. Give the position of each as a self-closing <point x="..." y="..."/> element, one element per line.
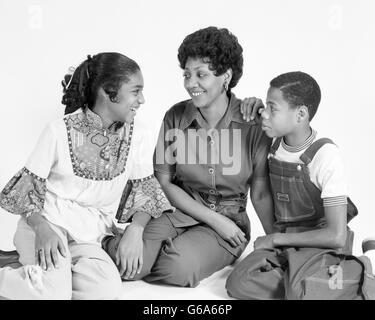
<point x="203" y="86"/>
<point x="129" y="98"/>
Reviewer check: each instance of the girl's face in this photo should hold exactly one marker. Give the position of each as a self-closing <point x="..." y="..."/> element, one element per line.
<point x="203" y="86"/>
<point x="278" y="119"/>
<point x="129" y="98"/>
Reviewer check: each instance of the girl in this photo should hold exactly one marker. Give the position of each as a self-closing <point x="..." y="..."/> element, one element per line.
<point x="68" y="192"/>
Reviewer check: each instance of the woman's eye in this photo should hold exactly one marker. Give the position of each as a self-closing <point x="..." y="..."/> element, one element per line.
<point x="201" y="75"/>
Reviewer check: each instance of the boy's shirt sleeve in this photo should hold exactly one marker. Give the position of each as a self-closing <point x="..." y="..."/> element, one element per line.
<point x="328" y="174"/>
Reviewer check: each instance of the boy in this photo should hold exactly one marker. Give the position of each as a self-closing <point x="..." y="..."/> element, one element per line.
<point x="309" y="254"/>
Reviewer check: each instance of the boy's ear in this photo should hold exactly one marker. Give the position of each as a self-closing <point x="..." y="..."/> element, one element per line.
<point x="303" y="113"/>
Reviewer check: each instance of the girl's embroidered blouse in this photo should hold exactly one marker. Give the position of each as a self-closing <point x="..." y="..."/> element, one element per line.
<point x="77" y="174"/>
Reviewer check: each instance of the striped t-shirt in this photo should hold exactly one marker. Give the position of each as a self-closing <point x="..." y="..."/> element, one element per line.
<point x="326" y="169"/>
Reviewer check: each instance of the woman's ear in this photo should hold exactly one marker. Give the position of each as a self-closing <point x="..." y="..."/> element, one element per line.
<point x="227" y="79"/>
<point x="228" y="75"/>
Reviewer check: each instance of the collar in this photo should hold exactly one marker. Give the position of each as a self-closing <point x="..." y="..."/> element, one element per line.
<point x="95" y="121"/>
<point x="232" y="113"/>
<point x="302" y="146"/>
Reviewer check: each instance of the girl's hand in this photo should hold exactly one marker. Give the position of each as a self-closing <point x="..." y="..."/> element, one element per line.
<point x="47" y="246"/>
<point x="250" y="107"/>
<point x="129" y="254"/>
<point x="228" y="230"/>
<point x="264" y="242"/>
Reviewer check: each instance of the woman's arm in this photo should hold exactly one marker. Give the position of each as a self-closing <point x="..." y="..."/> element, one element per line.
<point x="227" y="229"/>
<point x="261" y="198"/>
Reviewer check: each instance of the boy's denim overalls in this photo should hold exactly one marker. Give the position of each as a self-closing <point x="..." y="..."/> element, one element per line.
<point x="300" y="273"/>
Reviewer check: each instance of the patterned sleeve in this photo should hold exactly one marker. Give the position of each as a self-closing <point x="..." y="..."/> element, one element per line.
<point x="25" y="192"/>
<point x="145" y="195"/>
<point x="143" y="192"/>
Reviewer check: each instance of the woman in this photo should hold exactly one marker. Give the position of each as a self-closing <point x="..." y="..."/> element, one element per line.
<point x="206" y="159"/>
<point x="69" y="190"/>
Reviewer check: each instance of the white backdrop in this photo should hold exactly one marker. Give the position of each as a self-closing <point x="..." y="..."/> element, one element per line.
<point x="331" y="40"/>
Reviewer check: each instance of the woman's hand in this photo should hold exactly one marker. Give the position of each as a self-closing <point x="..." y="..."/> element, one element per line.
<point x="265" y="242"/>
<point x="47" y="246"/>
<point x="129" y="254"/>
<point x="228" y="230"/>
<point x="250" y="107"/>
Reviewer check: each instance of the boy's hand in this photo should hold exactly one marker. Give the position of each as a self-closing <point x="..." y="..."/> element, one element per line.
<point x="250" y="107"/>
<point x="264" y="242"/>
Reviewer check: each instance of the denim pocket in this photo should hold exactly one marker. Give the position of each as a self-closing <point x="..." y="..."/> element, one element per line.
<point x="291" y="199"/>
<point x="334" y="282"/>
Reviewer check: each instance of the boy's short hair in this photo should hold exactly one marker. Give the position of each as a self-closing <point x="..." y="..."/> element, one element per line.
<point x="299" y="89"/>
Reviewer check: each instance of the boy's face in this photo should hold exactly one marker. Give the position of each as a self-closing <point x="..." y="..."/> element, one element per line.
<point x="278" y="119"/>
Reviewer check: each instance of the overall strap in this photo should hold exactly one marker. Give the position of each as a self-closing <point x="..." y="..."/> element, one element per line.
<point x="310" y="152"/>
<point x="275" y="146"/>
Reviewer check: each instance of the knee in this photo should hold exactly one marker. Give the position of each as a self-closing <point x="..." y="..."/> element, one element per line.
<point x="101" y="281"/>
<point x="234" y="285"/>
<point x="104" y="289"/>
<point x="159" y="229"/>
<point x="108" y="287"/>
<point x="177" y="270"/>
<point x="49" y="285"/>
<point x="111" y="290"/>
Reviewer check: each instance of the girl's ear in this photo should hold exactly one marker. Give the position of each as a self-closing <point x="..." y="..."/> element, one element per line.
<point x="102" y="94"/>
<point x="303" y="113"/>
<point x="107" y="95"/>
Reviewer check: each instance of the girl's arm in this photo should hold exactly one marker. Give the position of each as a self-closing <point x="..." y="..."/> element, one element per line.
<point x="227" y="229"/>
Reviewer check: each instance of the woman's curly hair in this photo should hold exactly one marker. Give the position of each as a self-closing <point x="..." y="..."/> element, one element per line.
<point x="107" y="70"/>
<point x="219" y="47"/>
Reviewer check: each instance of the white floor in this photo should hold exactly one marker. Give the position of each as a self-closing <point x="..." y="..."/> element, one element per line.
<point x="212" y="288"/>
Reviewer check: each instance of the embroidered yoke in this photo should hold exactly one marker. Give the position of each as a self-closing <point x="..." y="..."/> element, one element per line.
<point x="77" y="174"/>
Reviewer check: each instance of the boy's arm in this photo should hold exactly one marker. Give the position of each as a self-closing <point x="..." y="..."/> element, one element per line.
<point x="329" y="170"/>
<point x="332" y="236"/>
<point x="261" y="198"/>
